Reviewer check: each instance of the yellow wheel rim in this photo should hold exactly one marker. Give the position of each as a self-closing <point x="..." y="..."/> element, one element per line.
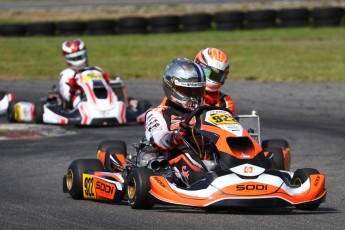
<point x="69" y="179"/>
<point x="131" y="188"/>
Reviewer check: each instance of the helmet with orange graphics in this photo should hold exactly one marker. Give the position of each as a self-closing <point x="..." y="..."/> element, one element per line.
<point x="75" y="53"/>
<point x="215" y="64"/>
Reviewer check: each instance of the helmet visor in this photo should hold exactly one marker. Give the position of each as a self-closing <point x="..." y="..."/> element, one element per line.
<point x="214" y="74"/>
<point x="76" y="56"/>
<point x="191" y="91"/>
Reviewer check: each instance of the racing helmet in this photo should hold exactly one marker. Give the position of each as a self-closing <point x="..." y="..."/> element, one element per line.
<point x="215" y="65"/>
<point x="184" y="83"/>
<point x="75" y="53"/>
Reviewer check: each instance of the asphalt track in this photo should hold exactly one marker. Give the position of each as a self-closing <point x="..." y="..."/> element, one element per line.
<point x="311" y="116"/>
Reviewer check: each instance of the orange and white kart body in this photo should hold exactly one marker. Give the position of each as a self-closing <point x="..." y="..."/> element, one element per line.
<point x="5" y="99"/>
<point x="100" y="105"/>
<point x="245" y="176"/>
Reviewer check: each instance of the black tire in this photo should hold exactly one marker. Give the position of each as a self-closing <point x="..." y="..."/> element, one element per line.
<point x="275" y="143"/>
<point x="70" y="28"/>
<point x="229" y="16"/>
<point x="327" y="12"/>
<point x="101" y="27"/>
<point x="300" y="176"/>
<point x="261" y="15"/>
<point x="10" y="112"/>
<point x="132" y="31"/>
<point x="294" y="17"/>
<point x="38" y="113"/>
<point x="195" y="22"/>
<point x="132" y="25"/>
<point x="164" y="24"/>
<point x="230" y="20"/>
<point x="162" y="21"/>
<point x="326" y="22"/>
<point x="74" y="177"/>
<point x="116" y="145"/>
<point x="41" y="29"/>
<point x="229" y="26"/>
<point x="277" y="160"/>
<point x="13" y="30"/>
<point x="260" y="19"/>
<point x="138" y="187"/>
<point x="330" y="16"/>
<point x="276" y="146"/>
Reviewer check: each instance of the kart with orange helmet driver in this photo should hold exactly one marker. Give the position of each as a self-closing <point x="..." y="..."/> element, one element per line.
<point x="102" y="104"/>
<point x="241" y="172"/>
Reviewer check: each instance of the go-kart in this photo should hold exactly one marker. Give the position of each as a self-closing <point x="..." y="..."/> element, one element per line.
<point x="241" y="172"/>
<point x="102" y="104"/>
<point x="5" y="99"/>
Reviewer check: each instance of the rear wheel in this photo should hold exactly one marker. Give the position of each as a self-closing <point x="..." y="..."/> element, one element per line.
<point x="138" y="189"/>
<point x="74" y="176"/>
<point x="277" y="158"/>
<point x="275" y="143"/>
<point x="300" y="176"/>
<point x="116" y="145"/>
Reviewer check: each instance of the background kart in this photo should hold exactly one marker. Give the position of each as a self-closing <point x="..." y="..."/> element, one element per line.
<point x="240" y="174"/>
<point x="102" y="104"/>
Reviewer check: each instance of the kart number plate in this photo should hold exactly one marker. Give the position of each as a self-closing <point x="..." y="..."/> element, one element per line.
<point x="221" y="119"/>
<point x="92" y="76"/>
<point x="88" y="187"/>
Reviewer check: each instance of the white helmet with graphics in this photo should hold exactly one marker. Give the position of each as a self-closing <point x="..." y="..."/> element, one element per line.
<point x="75" y="53"/>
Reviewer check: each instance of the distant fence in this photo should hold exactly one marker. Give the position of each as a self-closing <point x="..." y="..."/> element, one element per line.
<point x="225" y="21"/>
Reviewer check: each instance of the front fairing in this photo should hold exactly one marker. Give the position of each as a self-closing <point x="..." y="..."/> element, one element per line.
<point x="96" y="90"/>
<point x="227" y="134"/>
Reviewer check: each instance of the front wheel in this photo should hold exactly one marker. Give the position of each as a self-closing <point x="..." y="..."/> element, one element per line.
<point x="74" y="176"/>
<point x="11" y="112"/>
<point x="138" y="189"/>
<point x="38" y="111"/>
<point x="300" y="176"/>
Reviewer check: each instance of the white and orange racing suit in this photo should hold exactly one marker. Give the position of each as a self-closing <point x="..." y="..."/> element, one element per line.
<point x="160" y="124"/>
<point x="221" y="100"/>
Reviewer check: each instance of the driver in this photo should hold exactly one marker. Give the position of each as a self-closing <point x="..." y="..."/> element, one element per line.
<point x="75" y="55"/>
<point x="184" y="88"/>
<point x="215" y="65"/>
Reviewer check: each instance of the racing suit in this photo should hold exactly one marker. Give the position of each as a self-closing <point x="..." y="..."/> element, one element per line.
<point x="68" y="85"/>
<point x="160" y="124"/>
<point x="221" y="100"/>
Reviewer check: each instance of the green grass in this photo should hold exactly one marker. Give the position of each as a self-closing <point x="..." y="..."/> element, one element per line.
<point x="304" y="54"/>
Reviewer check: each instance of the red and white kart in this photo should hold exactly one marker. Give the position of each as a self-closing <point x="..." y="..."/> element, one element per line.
<point x="240" y="172"/>
<point x="100" y="104"/>
<point x="5" y="99"/>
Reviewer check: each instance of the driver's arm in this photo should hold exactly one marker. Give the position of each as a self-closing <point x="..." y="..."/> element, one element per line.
<point x="156" y="130"/>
